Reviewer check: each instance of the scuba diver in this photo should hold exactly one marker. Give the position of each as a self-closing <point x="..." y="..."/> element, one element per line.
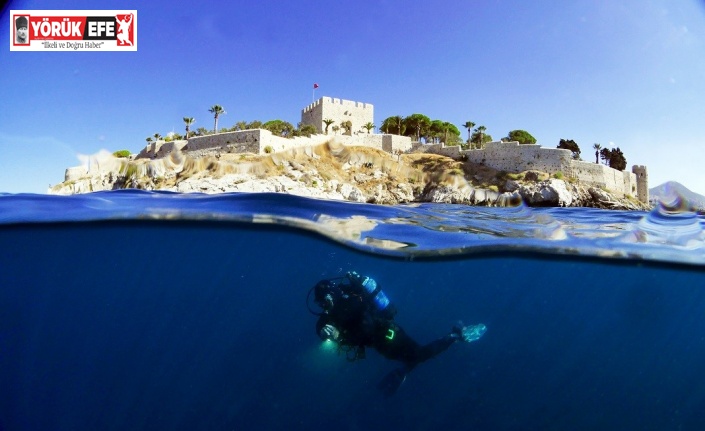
<point x="357" y="314"/>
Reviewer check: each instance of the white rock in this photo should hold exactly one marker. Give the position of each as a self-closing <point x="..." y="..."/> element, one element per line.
<point x="447" y="194"/>
<point x="547" y="193"/>
<point x="351" y="193"/>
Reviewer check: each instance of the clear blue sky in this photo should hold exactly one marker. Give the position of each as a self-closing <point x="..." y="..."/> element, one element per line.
<point x="629" y="74"/>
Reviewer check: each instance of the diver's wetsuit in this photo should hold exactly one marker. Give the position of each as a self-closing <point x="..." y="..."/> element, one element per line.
<point x="361" y="325"/>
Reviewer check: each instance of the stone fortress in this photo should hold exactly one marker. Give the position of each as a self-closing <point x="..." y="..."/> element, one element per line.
<point x="502" y="156"/>
<point x="338" y="110"/>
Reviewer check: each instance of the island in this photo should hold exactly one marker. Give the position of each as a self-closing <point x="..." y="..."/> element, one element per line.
<point x="348" y="162"/>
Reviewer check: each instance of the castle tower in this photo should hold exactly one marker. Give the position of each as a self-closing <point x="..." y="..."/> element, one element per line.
<point x="340" y="111"/>
<point x="642" y="183"/>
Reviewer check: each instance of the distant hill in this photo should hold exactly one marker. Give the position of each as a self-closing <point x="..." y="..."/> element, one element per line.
<point x="666" y="189"/>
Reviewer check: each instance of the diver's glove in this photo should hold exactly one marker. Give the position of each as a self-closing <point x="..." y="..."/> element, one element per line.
<point x="468" y="334"/>
<point x="330" y="332"/>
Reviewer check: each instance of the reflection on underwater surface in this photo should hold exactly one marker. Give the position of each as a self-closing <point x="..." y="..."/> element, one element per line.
<point x="130" y="324"/>
<point x="669" y="233"/>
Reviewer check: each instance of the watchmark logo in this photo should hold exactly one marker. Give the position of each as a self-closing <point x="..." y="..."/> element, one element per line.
<point x="73" y="30"/>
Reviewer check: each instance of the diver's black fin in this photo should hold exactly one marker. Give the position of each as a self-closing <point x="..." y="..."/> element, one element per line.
<point x="391" y="382"/>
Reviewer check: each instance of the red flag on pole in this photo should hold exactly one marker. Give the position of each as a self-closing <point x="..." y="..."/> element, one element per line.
<point x="315" y="85"/>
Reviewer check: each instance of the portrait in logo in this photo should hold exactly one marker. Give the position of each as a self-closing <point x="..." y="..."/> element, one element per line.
<point x="125" y="32"/>
<point x="21" y="30"/>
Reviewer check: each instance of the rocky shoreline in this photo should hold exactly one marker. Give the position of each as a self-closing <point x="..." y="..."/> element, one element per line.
<point x="357" y="174"/>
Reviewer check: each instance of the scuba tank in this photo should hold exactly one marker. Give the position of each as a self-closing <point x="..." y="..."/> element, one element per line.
<point x="370" y="286"/>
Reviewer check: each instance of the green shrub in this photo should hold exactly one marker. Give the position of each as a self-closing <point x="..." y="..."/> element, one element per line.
<point x="558" y="175"/>
<point x="122" y="153"/>
<point x="268" y="149"/>
<point x="131" y="171"/>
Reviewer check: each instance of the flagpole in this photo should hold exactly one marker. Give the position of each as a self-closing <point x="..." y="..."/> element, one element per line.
<point x="313" y="93"/>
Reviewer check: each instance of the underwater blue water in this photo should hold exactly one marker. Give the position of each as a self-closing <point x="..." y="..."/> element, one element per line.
<point x="139" y="310"/>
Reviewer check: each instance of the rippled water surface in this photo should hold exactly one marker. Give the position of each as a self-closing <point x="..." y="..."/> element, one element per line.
<point x="668" y="233"/>
<point x="139" y="310"/>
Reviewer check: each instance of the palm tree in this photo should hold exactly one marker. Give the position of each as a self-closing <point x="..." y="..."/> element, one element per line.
<point x="328" y="122"/>
<point x="399" y="120"/>
<point x="446" y="126"/>
<point x="157" y="136"/>
<point x="217" y="111"/>
<point x="149" y="139"/>
<point x="335" y="129"/>
<point x="188" y="121"/>
<point x="368" y="126"/>
<point x="597" y="148"/>
<point x="469" y="125"/>
<point x="481" y="131"/>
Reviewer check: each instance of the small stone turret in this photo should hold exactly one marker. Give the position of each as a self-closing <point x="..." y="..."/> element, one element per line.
<point x="642" y="183"/>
